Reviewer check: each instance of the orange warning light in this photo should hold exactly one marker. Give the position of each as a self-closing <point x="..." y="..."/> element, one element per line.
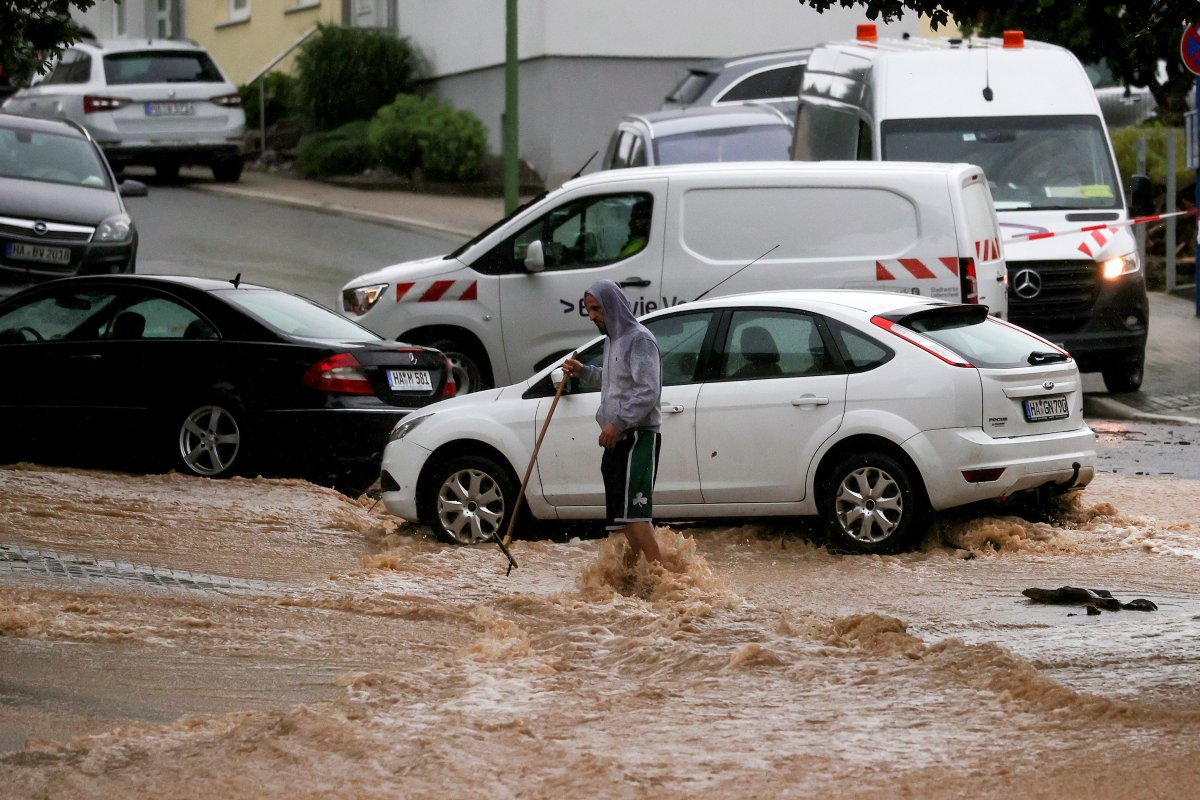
<point x="867" y="32"/>
<point x="1014" y="39"/>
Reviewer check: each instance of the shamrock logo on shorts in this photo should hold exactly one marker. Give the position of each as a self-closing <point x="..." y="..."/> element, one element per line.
<point x="640" y="499"/>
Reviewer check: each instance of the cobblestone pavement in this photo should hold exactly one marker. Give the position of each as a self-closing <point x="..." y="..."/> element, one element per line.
<point x="19" y="563"/>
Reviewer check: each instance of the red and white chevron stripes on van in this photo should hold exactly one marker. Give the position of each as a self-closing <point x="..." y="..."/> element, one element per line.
<point x="431" y="291"/>
<point x="915" y="268"/>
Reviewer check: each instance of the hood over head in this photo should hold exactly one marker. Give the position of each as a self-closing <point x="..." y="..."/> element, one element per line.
<point x="618" y="315"/>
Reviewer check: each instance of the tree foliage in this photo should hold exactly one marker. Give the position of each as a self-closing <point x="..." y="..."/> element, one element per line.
<point x="34" y="32"/>
<point x="1130" y="36"/>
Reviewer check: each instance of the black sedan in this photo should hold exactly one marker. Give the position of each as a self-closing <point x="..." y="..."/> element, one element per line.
<point x="61" y="208"/>
<point x="215" y="377"/>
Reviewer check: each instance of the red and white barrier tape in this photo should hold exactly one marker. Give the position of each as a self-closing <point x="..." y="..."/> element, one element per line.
<point x="1112" y="226"/>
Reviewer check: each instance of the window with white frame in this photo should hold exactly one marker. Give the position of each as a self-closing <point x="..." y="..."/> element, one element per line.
<point x="239" y="9"/>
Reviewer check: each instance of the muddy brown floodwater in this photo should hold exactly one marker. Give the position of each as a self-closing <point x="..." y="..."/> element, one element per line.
<point x="177" y="637"/>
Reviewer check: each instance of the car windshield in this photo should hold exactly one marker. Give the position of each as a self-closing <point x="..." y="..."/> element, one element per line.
<point x="160" y="66"/>
<point x="296" y="316"/>
<point x="1060" y="162"/>
<point x="985" y="342"/>
<point x="52" y="158"/>
<point x="752" y="143"/>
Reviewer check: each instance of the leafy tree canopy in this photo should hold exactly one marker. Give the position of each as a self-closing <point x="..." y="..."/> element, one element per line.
<point x="1131" y="37"/>
<point x="34" y="32"/>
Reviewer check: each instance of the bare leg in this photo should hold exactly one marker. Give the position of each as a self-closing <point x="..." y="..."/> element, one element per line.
<point x="641" y="540"/>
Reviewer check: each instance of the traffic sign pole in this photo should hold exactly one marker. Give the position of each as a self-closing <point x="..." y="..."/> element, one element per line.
<point x="1189" y="52"/>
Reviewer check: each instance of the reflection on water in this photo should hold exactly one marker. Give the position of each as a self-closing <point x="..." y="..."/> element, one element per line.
<point x="756" y="663"/>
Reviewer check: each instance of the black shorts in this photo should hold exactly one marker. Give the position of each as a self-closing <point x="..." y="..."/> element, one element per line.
<point x="629" y="468"/>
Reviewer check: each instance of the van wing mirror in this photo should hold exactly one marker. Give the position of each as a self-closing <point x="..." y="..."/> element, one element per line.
<point x="535" y="257"/>
<point x="1141" y="196"/>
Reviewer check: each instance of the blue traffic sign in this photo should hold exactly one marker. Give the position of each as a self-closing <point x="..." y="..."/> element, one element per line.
<point x="1189" y="48"/>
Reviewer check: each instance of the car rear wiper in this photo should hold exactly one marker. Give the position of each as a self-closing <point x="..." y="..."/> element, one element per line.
<point x="1042" y="357"/>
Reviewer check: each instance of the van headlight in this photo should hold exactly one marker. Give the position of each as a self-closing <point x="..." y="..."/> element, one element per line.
<point x="1120" y="265"/>
<point x="363" y="299"/>
<point x="406" y="427"/>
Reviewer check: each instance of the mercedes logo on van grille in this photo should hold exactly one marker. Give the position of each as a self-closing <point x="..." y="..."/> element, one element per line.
<point x="40" y="228"/>
<point x="1027" y="284"/>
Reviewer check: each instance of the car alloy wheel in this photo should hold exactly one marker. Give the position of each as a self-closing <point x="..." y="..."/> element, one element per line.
<point x="472" y="498"/>
<point x="210" y="442"/>
<point x="871" y="504"/>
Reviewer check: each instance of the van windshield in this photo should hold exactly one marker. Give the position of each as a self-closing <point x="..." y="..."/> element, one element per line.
<point x="1039" y="163"/>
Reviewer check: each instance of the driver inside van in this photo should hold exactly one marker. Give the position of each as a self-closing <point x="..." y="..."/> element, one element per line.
<point x="639" y="229"/>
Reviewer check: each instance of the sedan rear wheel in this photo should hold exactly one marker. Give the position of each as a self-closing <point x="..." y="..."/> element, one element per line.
<point x="210" y="442"/>
<point x="470" y="499"/>
<point x="871" y="504"/>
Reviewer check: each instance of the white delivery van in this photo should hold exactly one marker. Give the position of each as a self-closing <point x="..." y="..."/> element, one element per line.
<point x="511" y="300"/>
<point x="1026" y="113"/>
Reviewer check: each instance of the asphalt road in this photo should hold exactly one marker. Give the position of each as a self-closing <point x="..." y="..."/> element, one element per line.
<point x="185" y="232"/>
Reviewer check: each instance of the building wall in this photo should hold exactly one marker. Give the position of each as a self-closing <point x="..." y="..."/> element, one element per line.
<point x="245" y="44"/>
<point x="133" y="19"/>
<point x="584" y="63"/>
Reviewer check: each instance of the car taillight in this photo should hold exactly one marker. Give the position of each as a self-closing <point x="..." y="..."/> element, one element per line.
<point x="968" y="283"/>
<point x="93" y="103"/>
<point x="338" y="374"/>
<point x="228" y="100"/>
<point x="924" y="342"/>
<point x="451" y="388"/>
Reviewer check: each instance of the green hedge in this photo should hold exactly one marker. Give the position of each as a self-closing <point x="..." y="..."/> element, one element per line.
<point x="347" y="74"/>
<point x="412" y="132"/>
<point x="344" y="151"/>
<point x="279" y="90"/>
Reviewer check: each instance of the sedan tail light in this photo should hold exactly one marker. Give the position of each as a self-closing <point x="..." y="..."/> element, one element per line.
<point x="93" y="103"/>
<point x="338" y="374"/>
<point x="228" y="100"/>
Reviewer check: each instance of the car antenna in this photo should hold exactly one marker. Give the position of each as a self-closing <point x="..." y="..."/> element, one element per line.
<point x="237" y="279"/>
<point x="585" y="164"/>
<point x="715" y="285"/>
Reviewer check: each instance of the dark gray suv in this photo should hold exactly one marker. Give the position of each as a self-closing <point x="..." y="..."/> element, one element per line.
<point x="61" y="208"/>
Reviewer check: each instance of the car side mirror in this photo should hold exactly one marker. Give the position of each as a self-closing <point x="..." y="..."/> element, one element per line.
<point x="535" y="257"/>
<point x="1141" y="196"/>
<point x="132" y="188"/>
<point x="557" y="376"/>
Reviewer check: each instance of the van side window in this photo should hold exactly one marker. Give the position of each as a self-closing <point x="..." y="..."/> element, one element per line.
<point x="824" y="133"/>
<point x="588" y="232"/>
<point x="774" y="344"/>
<point x="771" y="84"/>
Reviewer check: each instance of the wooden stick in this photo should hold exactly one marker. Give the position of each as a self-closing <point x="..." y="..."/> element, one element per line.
<point x="533" y="459"/>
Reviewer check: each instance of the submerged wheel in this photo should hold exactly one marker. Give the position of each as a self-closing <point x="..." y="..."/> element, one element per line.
<point x="1124" y="378"/>
<point x="210" y="441"/>
<point x="871" y="504"/>
<point x="468" y="367"/>
<point x="469" y="499"/>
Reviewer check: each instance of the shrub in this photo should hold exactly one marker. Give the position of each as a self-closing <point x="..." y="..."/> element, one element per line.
<point x="344" y="151"/>
<point x="346" y="74"/>
<point x="279" y="90"/>
<point x="393" y="132"/>
<point x="452" y="143"/>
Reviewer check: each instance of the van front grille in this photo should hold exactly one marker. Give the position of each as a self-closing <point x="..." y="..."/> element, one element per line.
<point x="1052" y="296"/>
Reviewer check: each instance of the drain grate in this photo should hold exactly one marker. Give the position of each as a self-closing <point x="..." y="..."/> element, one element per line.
<point x="30" y="562"/>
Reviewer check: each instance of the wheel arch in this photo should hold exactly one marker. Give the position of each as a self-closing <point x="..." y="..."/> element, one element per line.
<point x="447" y="452"/>
<point x="866" y="443"/>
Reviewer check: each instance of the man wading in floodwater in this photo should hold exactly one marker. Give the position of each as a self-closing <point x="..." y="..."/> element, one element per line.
<point x="630" y="388"/>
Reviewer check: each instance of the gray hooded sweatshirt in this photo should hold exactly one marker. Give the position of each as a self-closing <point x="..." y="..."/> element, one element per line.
<point x="631" y="379"/>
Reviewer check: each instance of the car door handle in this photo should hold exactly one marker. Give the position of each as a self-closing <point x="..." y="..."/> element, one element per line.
<point x="634" y="281"/>
<point x="811" y="400"/>
<point x="671" y="408"/>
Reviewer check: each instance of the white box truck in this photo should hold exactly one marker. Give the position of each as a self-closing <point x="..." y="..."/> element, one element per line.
<point x="1026" y="113"/>
<point x="510" y="300"/>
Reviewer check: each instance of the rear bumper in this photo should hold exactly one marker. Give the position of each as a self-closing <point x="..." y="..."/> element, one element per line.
<point x="328" y="441"/>
<point x="1028" y="462"/>
<point x="148" y="155"/>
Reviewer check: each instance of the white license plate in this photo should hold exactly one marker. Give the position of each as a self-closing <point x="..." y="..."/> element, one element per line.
<point x="409" y="380"/>
<point x="1046" y="408"/>
<point x="175" y="109"/>
<point x="39" y="252"/>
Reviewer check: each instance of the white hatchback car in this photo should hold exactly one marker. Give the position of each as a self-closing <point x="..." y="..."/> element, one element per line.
<point x="870" y="409"/>
<point x="160" y="103"/>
